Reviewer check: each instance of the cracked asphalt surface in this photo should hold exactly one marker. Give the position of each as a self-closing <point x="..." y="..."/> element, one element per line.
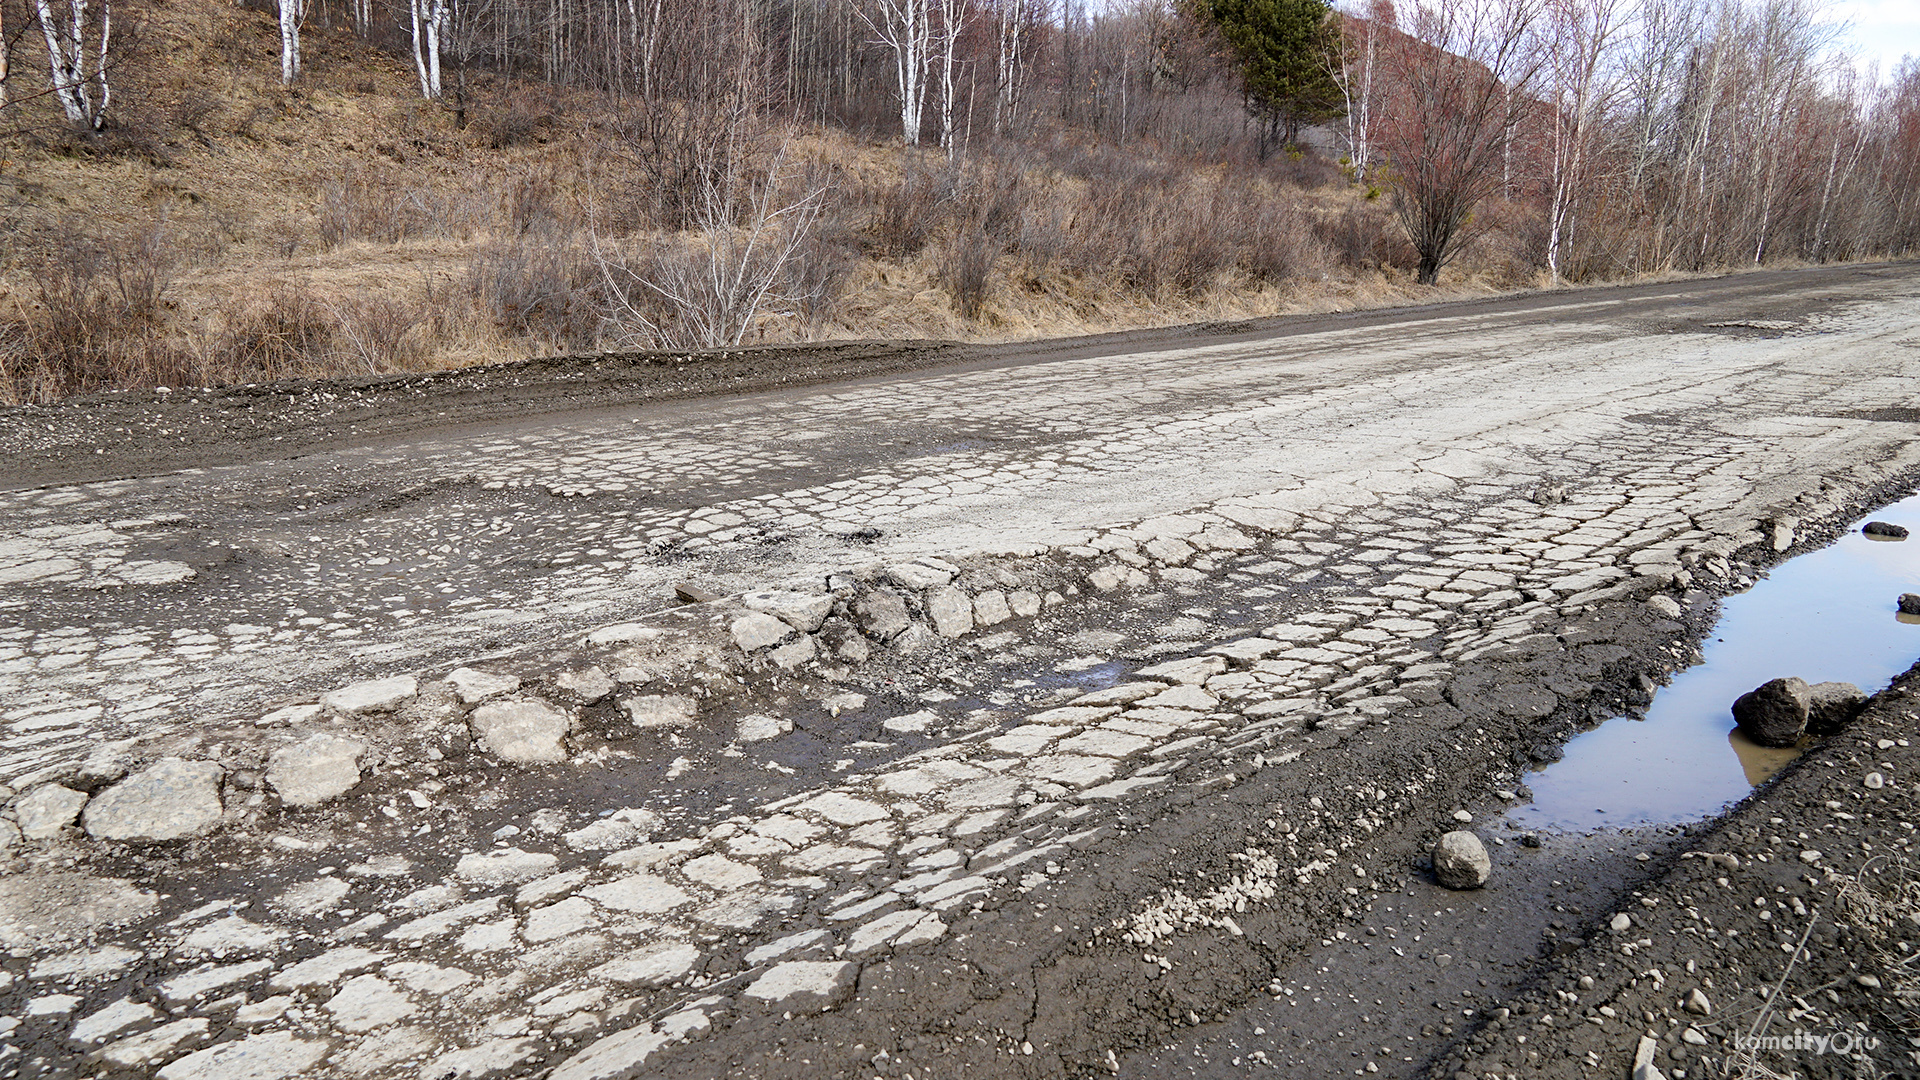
<point x="1409" y="551"/>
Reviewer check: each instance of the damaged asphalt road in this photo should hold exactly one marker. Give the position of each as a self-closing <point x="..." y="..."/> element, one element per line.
<point x="1069" y="710"/>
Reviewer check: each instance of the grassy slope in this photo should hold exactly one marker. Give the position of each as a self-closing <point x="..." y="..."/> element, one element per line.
<point x="236" y="174"/>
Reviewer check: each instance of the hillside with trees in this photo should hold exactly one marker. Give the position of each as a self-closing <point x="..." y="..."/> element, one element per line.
<point x="198" y="192"/>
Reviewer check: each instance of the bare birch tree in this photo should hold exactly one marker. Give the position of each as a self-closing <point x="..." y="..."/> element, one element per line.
<point x="1359" y="63"/>
<point x="906" y="27"/>
<point x="953" y="16"/>
<point x="78" y="48"/>
<point x="1014" y="19"/>
<point x="1580" y="37"/>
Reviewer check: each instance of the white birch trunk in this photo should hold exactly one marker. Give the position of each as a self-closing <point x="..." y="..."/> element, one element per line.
<point x="1006" y="97"/>
<point x="953" y="14"/>
<point x="419" y="44"/>
<point x="292" y="13"/>
<point x="436" y="30"/>
<point x="79" y="71"/>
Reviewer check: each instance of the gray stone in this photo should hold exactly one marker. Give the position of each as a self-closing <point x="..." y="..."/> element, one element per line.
<point x="46" y="811"/>
<point x="495" y="1057"/>
<point x="89" y="963"/>
<point x="1193" y="670"/>
<point x="1664" y="606"/>
<point x="758" y="630"/>
<point x="759" y="728"/>
<point x="624" y="1055"/>
<point x="881" y="614"/>
<point x="666" y="710"/>
<point x="527" y="731"/>
<point x="328" y="968"/>
<point x="793" y="653"/>
<point x="193" y="985"/>
<point x="588" y="684"/>
<point x="1909" y="604"/>
<point x="504" y="866"/>
<point x="150" y="1047"/>
<point x="1832" y="705"/>
<point x="655" y="965"/>
<point x="990" y="608"/>
<point x="234" y="935"/>
<point x="803" y="612"/>
<point x="918" y="575"/>
<point x="803" y="986"/>
<point x="108" y="763"/>
<point x="622" y="828"/>
<point x="311" y="898"/>
<point x="1886" y="529"/>
<point x="951" y="610"/>
<point x="367" y="1002"/>
<point x="473" y="687"/>
<point x="172" y="799"/>
<point x="1774" y="714"/>
<point x="318" y="769"/>
<point x="273" y="1056"/>
<point x="1460" y="861"/>
<point x="373" y="696"/>
<point x="39" y="909"/>
<point x="642" y="894"/>
<point x="112" y="1021"/>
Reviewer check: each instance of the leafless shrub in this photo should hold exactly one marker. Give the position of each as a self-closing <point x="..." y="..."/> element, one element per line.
<point x="283" y="332"/>
<point x="716" y="283"/>
<point x="521" y="119"/>
<point x="545" y="290"/>
<point x="966" y="266"/>
<point x="360" y="207"/>
<point x="530" y="202"/>
<point x="907" y="214"/>
<point x="94" y="318"/>
<point x="674" y="152"/>
<point x="1364" y="238"/>
<point x="373" y="334"/>
<point x="818" y="272"/>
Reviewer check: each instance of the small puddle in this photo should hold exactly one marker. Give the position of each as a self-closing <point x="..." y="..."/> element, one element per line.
<point x="1828" y="615"/>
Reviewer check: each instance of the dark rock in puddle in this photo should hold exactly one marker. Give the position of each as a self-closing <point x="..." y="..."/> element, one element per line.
<point x="1775" y="714"/>
<point x="1460" y="861"/>
<point x="1886" y="529"/>
<point x="1832" y="705"/>
<point x="1909" y="604"/>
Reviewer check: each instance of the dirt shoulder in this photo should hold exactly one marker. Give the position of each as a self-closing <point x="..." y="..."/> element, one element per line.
<point x="1793" y="917"/>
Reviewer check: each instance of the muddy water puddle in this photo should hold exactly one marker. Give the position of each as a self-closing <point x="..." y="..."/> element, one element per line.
<point x="1828" y="615"/>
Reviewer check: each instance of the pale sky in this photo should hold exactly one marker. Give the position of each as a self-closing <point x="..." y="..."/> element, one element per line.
<point x="1883" y="30"/>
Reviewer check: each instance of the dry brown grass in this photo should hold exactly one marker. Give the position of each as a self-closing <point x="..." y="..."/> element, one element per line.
<point x="347" y="227"/>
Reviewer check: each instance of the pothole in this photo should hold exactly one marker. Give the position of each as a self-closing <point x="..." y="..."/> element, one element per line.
<point x="1828" y="615"/>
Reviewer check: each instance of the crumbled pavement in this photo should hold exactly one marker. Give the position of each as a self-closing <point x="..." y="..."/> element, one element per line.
<point x="1040" y="801"/>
